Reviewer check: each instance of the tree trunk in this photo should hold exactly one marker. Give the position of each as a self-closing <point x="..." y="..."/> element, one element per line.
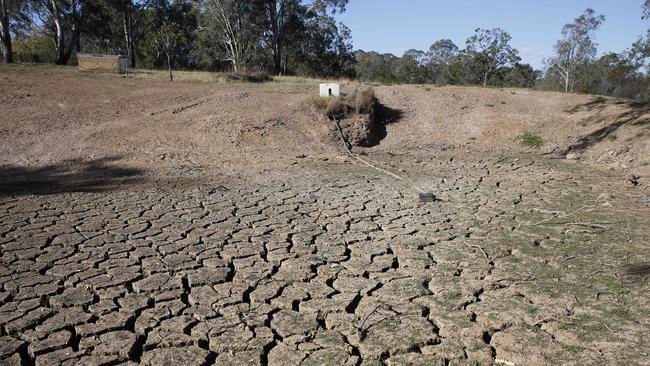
<point x="485" y="77"/>
<point x="5" y="33"/>
<point x="169" y="66"/>
<point x="566" y="83"/>
<point x="59" y="36"/>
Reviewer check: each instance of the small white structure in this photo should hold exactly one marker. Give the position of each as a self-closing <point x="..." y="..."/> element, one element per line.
<point x="330" y="90"/>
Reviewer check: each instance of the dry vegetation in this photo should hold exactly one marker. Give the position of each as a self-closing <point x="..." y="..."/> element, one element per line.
<point x="358" y="102"/>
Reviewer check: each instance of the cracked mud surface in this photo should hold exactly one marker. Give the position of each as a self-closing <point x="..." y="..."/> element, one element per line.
<point x="521" y="262"/>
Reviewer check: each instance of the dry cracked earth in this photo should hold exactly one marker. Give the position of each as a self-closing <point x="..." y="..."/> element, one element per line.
<point x="521" y="262"/>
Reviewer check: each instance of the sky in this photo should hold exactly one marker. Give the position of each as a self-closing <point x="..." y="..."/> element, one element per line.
<point x="394" y="26"/>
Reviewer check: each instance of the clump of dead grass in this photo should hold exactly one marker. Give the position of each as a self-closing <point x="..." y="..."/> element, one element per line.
<point x="359" y="102"/>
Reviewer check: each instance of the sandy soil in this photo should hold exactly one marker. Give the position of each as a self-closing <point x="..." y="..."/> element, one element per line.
<point x="144" y="222"/>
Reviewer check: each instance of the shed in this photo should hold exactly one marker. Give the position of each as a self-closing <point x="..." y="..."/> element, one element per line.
<point x="116" y="64"/>
<point x="330" y="90"/>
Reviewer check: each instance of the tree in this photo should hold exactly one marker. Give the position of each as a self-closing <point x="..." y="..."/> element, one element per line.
<point x="164" y="41"/>
<point x="646" y="9"/>
<point x="61" y="20"/>
<point x="230" y="17"/>
<point x="132" y="16"/>
<point x="11" y="12"/>
<point x="410" y="68"/>
<point x="440" y="56"/>
<point x="280" y="18"/>
<point x="576" y="48"/>
<point x="372" y="66"/>
<point x="519" y="75"/>
<point x="490" y="49"/>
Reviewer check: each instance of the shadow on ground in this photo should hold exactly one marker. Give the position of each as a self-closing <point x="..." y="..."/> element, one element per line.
<point x="633" y="115"/>
<point x="383" y="117"/>
<point x="67" y="176"/>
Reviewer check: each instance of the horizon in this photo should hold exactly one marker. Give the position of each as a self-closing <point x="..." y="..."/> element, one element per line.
<point x="420" y="23"/>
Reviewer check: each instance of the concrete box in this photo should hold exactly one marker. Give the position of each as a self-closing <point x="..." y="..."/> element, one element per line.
<point x="330" y="90"/>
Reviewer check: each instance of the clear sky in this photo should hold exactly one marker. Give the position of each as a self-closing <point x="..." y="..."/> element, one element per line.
<point x="394" y="26"/>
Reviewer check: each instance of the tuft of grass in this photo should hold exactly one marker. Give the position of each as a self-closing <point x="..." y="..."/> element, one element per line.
<point x="364" y="101"/>
<point x="612" y="137"/>
<point x="531" y="140"/>
<point x="320" y="102"/>
<point x="572" y="348"/>
<point x="360" y="102"/>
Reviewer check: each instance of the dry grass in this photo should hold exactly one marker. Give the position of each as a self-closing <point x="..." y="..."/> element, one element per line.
<point x="249" y="77"/>
<point x="320" y="102"/>
<point x="364" y="101"/>
<point x="359" y="102"/>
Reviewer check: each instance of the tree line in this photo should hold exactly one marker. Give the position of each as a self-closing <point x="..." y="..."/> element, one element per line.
<point x="302" y="37"/>
<point x="279" y="36"/>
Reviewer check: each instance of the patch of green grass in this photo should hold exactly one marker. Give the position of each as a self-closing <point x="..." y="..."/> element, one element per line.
<point x="531" y="310"/>
<point x="552" y="274"/>
<point x="531" y="140"/>
<point x="572" y="348"/>
<point x="454" y="295"/>
<point x="612" y="137"/>
<point x="475" y="347"/>
<point x="531" y="328"/>
<point x="621" y="313"/>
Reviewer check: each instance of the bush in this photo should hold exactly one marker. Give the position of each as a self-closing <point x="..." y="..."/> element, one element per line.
<point x="248" y="77"/>
<point x="531" y="140"/>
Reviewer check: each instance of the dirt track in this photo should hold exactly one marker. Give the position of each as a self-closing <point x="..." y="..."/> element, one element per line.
<point x="244" y="246"/>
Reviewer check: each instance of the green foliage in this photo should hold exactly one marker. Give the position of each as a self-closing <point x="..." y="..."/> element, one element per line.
<point x="34" y="48"/>
<point x="531" y="140"/>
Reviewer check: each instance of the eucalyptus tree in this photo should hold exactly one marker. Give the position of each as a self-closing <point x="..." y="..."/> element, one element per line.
<point x="236" y="33"/>
<point x="12" y="12"/>
<point x="60" y="20"/>
<point x="440" y="56"/>
<point x="576" y="48"/>
<point x="279" y="19"/>
<point x="489" y="50"/>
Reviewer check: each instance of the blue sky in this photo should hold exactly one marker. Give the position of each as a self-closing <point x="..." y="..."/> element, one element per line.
<point x="395" y="26"/>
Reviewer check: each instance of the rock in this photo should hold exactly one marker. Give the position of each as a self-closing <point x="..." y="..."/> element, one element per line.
<point x="572" y="156"/>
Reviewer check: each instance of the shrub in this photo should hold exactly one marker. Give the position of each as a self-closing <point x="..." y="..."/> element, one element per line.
<point x="249" y="77"/>
<point x="531" y="140"/>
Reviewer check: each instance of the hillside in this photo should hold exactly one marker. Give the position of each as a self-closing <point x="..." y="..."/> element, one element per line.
<point x="53" y="114"/>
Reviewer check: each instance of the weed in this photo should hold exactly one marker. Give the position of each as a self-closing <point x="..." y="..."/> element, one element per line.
<point x="475" y="347"/>
<point x="531" y="310"/>
<point x="612" y="137"/>
<point x="621" y="313"/>
<point x="474" y="363"/>
<point x="572" y="348"/>
<point x="531" y="140"/>
<point x="531" y="328"/>
<point x="552" y="274"/>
